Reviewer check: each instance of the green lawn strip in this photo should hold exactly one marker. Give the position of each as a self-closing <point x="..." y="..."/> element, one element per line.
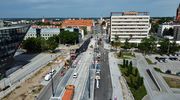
<point x="137" y="93"/>
<point x="125" y="55"/>
<point x="149" y="61"/>
<point x="158" y="70"/>
<point x="173" y="83"/>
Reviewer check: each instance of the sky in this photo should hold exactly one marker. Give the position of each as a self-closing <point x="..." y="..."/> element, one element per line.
<point x="84" y="8"/>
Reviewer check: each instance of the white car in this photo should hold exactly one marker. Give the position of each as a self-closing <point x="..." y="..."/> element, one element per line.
<point x="48" y="77"/>
<point x="75" y="75"/>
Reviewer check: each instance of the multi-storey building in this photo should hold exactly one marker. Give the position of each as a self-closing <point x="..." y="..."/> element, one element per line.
<point x="133" y="26"/>
<point x="166" y="26"/>
<point x="44" y="32"/>
<point x="10" y="39"/>
<point x="1" y="23"/>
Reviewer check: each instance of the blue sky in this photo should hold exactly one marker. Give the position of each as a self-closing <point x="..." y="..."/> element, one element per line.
<point x="84" y="8"/>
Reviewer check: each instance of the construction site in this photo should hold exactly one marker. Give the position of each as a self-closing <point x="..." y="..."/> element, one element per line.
<point x="31" y="88"/>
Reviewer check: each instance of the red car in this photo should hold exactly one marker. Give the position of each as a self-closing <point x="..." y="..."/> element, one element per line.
<point x="62" y="73"/>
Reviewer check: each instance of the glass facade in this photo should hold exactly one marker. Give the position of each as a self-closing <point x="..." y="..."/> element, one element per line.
<point x="10" y="39"/>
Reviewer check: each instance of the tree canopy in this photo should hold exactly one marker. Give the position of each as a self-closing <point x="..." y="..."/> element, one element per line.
<point x="168" y="32"/>
<point x="34" y="45"/>
<point x="148" y="45"/>
<point x="39" y="44"/>
<point x="67" y="37"/>
<point x="166" y="47"/>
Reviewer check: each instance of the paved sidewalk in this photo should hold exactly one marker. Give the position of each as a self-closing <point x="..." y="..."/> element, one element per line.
<point x="115" y="76"/>
<point x="120" y="88"/>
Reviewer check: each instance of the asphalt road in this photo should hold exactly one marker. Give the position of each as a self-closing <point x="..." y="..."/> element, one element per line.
<point x="104" y="92"/>
<point x="47" y="92"/>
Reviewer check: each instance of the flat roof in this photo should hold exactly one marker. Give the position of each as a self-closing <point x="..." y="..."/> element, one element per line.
<point x="129" y="13"/>
<point x="13" y="26"/>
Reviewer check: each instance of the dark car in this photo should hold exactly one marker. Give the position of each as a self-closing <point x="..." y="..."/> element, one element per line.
<point x="178" y="73"/>
<point x="173" y="58"/>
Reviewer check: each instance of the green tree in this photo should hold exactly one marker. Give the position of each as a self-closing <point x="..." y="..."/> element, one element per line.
<point x="148" y="45"/>
<point x="164" y="46"/>
<point x="34" y="45"/>
<point x="130" y="67"/>
<point x="117" y="43"/>
<point x="67" y="37"/>
<point x="103" y="23"/>
<point x="136" y="72"/>
<point x="171" y="32"/>
<point x="127" y="45"/>
<point x="154" y="28"/>
<point x="131" y="82"/>
<point x="174" y="47"/>
<point x="124" y="63"/>
<point x="52" y="43"/>
<point x="112" y="44"/>
<point x="165" y="32"/>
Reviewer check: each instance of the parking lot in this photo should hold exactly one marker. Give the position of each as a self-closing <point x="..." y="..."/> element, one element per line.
<point x="166" y="62"/>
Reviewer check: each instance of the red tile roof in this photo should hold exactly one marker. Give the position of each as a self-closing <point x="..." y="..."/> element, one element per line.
<point x="82" y="22"/>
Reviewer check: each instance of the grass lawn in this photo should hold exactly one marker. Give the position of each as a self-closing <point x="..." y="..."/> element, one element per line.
<point x="173" y="83"/>
<point x="137" y="93"/>
<point x="149" y="61"/>
<point x="125" y="55"/>
<point x="158" y="70"/>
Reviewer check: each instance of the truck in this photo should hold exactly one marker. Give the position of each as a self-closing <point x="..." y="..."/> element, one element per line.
<point x="69" y="92"/>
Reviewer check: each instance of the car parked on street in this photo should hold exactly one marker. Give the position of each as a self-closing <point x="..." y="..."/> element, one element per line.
<point x="75" y="75"/>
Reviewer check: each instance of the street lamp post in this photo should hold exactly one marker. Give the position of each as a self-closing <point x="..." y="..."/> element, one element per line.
<point x="89" y="84"/>
<point x="52" y="84"/>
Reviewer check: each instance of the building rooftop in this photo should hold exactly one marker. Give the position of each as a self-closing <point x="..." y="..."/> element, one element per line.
<point x="13" y="26"/>
<point x="77" y="23"/>
<point x="129" y="13"/>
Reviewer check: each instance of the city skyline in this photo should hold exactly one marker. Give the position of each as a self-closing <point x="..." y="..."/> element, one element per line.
<point x="84" y="8"/>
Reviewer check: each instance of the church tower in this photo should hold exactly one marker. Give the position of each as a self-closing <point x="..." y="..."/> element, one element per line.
<point x="178" y="14"/>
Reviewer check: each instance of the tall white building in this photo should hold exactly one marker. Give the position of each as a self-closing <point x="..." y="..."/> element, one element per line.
<point x="133" y="26"/>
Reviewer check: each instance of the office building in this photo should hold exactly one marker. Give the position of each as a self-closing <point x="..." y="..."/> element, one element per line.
<point x="10" y="39"/>
<point x="131" y="26"/>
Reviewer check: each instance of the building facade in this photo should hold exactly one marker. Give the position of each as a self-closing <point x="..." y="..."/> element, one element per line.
<point x="10" y="39"/>
<point x="177" y="33"/>
<point x="131" y="26"/>
<point x="44" y="32"/>
<point x="178" y="14"/>
<point x="1" y="23"/>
